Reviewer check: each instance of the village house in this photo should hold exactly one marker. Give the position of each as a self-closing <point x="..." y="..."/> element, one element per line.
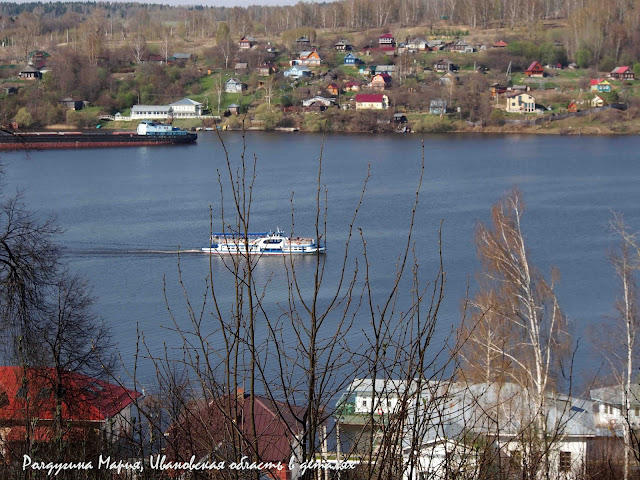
<point x="29" y="72"/>
<point x="573" y="107"/>
<point x="436" y="45"/>
<point x="380" y="81"/>
<point x="151" y="112"/>
<point x="438" y="106"/>
<point x="496" y="412"/>
<point x="371" y="101"/>
<point x="154" y="58"/>
<point x="622" y="73"/>
<point x="461" y="46"/>
<point x="71" y="103"/>
<point x="233" y="109"/>
<point x="444" y="66"/>
<point x="387" y="41"/>
<point x="598" y="101"/>
<point x="515" y="89"/>
<point x="186" y="108"/>
<point x="317" y="104"/>
<point x="498" y="89"/>
<point x="521" y="103"/>
<point x="610" y="412"/>
<point x="246" y="43"/>
<point x="534" y="70"/>
<point x="352" y="87"/>
<point x="271" y="50"/>
<point x="240" y="68"/>
<point x="441" y="421"/>
<point x="88" y="405"/>
<point x="390" y="69"/>
<point x="10" y="89"/>
<point x="204" y="430"/>
<point x="500" y="44"/>
<point x="38" y="58"/>
<point x="303" y="42"/>
<point x="417" y="44"/>
<point x="298" y="71"/>
<point x="234" y="85"/>
<point x="333" y="89"/>
<point x="266" y="69"/>
<point x="350" y="59"/>
<point x="600" y="85"/>
<point x="308" y="58"/>
<point x="180" y="58"/>
<point x="343" y="45"/>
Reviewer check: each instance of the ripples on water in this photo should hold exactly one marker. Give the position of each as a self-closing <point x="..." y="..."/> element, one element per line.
<point x="127" y="212"/>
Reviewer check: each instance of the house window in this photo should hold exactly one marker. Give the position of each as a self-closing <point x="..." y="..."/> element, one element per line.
<point x="364" y="403"/>
<point x="637" y="411"/>
<point x="565" y="461"/>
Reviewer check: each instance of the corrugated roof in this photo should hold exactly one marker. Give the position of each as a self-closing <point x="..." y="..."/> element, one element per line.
<point x="185" y="102"/>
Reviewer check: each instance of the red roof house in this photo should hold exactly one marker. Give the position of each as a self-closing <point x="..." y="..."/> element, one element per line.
<point x="573" y="107"/>
<point x="623" y="73"/>
<point x="209" y="429"/>
<point x="380" y="81"/>
<point x="387" y="42"/>
<point x="500" y="44"/>
<point x="534" y="70"/>
<point x="27" y="399"/>
<point x="371" y="101"/>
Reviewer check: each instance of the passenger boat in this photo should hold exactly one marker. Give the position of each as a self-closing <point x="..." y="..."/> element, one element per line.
<point x="267" y="243"/>
<point x="147" y="134"/>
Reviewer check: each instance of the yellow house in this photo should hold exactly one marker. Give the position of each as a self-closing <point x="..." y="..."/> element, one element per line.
<point x="522" y="103"/>
<point x="371" y="101"/>
<point x="310" y="59"/>
<point x="598" y="101"/>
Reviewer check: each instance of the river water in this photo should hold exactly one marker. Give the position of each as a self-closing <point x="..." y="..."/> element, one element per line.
<point x="126" y="211"/>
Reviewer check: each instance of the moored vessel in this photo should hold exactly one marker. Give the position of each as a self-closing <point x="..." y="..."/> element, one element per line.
<point x="266" y="243"/>
<point x="147" y="134"/>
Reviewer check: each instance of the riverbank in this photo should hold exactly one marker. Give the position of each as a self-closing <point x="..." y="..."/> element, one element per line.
<point x="601" y="122"/>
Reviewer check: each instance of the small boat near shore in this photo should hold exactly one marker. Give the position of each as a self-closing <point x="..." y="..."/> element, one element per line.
<point x="147" y="134"/>
<point x="266" y="243"/>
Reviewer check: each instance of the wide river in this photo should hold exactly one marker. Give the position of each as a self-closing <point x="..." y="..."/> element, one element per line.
<point x="126" y="210"/>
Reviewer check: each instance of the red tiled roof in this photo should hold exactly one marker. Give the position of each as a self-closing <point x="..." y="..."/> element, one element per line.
<point x="387" y="35"/>
<point x="29" y="394"/>
<point x="595" y="81"/>
<point x="369" y="97"/>
<point x="501" y="43"/>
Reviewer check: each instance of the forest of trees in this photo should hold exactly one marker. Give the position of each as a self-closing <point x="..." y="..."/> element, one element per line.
<point x="594" y="30"/>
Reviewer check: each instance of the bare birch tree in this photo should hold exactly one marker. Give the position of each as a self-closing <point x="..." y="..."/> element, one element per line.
<point x="621" y="347"/>
<point x="516" y="296"/>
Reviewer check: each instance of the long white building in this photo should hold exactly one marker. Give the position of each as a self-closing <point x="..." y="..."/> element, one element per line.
<point x="185" y="108"/>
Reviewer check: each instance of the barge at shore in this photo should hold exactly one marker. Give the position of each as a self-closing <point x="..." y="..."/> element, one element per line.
<point x="147" y="134"/>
